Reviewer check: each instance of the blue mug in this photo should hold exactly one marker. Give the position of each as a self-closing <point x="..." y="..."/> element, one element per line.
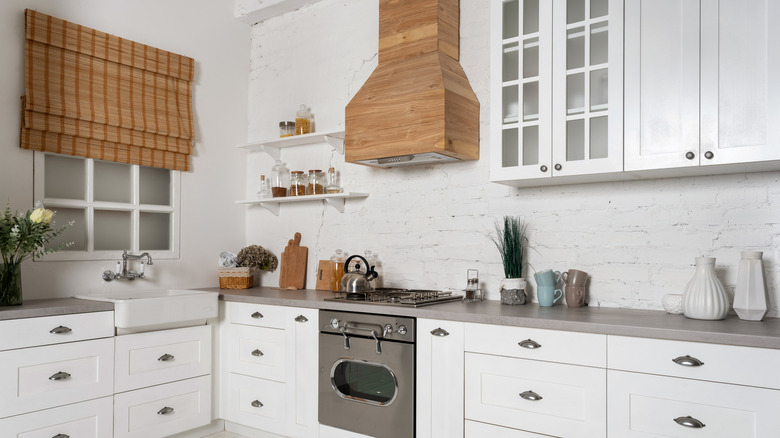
<point x="548" y="277"/>
<point x="548" y="295"/>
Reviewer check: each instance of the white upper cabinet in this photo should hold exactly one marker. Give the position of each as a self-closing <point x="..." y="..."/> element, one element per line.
<point x="557" y="87"/>
<point x="702" y="83"/>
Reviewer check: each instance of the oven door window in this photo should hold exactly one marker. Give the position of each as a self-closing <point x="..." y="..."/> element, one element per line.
<point x="364" y="382"/>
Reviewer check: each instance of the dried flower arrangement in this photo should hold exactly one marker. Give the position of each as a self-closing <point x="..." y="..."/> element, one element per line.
<point x="257" y="257"/>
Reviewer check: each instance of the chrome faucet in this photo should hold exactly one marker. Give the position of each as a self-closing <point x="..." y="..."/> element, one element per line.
<point x="121" y="270"/>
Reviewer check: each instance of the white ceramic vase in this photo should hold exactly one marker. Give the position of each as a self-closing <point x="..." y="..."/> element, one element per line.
<point x="750" y="295"/>
<point x="704" y="296"/>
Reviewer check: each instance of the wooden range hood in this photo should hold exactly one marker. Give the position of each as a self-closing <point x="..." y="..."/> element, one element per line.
<point x="417" y="106"/>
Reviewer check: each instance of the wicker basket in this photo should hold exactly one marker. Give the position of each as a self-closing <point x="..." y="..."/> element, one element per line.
<point x="236" y="278"/>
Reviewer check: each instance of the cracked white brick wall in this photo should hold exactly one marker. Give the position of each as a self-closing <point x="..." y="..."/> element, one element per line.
<point x="429" y="224"/>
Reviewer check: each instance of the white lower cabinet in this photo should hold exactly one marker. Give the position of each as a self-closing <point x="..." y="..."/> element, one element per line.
<point x="475" y="429"/>
<point x="89" y="419"/>
<point x="257" y="403"/>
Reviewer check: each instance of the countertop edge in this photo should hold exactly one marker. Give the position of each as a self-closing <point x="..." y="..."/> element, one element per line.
<point x="52" y="307"/>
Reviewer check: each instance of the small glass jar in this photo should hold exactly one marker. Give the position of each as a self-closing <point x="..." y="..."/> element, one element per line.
<point x="336" y="270"/>
<point x="331" y="185"/>
<point x="280" y="179"/>
<point x="297" y="183"/>
<point x="315" y="184"/>
<point x="286" y="129"/>
<point x="265" y="190"/>
<point x="303" y="121"/>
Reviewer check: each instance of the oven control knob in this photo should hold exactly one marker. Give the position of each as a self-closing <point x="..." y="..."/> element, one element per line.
<point x="334" y="323"/>
<point x="401" y="330"/>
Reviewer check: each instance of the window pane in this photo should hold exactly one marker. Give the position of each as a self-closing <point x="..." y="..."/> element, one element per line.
<point x="599" y="87"/>
<point x="112" y="230"/>
<point x="575" y="48"/>
<point x="155" y="186"/>
<point x="575" y="140"/>
<point x="599" y="44"/>
<point x="510" y="104"/>
<point x="531" y="101"/>
<point x="113" y="182"/>
<point x="599" y="8"/>
<point x="575" y="93"/>
<point x="64" y="177"/>
<point x="509" y="147"/>
<point x="511" y="19"/>
<point x="531" y="58"/>
<point x="76" y="233"/>
<point x="598" y="137"/>
<point x="530" y="145"/>
<point x="530" y="16"/>
<point x="155" y="231"/>
<point x="575" y="11"/>
<point x="510" y="62"/>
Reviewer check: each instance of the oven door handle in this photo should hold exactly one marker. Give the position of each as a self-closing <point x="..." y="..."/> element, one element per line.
<point x="372" y="332"/>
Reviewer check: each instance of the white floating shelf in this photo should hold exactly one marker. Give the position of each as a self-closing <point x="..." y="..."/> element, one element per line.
<point x="337" y="200"/>
<point x="274" y="146"/>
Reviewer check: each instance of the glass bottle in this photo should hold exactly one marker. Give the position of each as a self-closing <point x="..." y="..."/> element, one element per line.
<point x="302" y="121"/>
<point x="336" y="270"/>
<point x="286" y="129"/>
<point x="280" y="179"/>
<point x="315" y="185"/>
<point x="265" y="191"/>
<point x="297" y="183"/>
<point x="331" y="185"/>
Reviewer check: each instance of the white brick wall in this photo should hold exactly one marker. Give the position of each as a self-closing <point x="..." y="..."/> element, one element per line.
<point x="429" y="224"/>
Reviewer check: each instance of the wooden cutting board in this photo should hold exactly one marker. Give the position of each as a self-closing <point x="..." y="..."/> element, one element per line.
<point x="293" y="266"/>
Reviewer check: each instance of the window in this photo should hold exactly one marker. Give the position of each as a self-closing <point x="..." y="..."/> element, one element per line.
<point x="115" y="206"/>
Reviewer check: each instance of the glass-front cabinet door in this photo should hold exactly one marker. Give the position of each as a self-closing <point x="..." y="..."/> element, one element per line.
<point x="557" y="88"/>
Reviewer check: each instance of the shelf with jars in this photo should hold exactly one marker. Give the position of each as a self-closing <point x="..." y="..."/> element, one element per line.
<point x="274" y="146"/>
<point x="337" y="200"/>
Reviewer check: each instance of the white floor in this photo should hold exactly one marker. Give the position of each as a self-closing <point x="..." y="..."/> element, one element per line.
<point x="224" y="435"/>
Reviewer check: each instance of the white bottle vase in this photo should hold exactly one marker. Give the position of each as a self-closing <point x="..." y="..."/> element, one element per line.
<point x="704" y="296"/>
<point x="750" y="295"/>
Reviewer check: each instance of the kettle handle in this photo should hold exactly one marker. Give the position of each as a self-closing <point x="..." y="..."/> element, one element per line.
<point x="370" y="272"/>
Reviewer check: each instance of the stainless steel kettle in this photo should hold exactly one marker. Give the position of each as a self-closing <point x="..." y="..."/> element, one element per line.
<point x="356" y="281"/>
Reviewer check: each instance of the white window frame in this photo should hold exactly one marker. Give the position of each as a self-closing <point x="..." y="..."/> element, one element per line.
<point x="134" y="207"/>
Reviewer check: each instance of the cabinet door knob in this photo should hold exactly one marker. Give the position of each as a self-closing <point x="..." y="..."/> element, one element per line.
<point x="690" y="155"/>
<point x="165" y="357"/>
<point x="558" y="166"/>
<point x="257" y="353"/>
<point x="60" y="376"/>
<point x="301" y="318"/>
<point x="61" y="435"/>
<point x="530" y="395"/>
<point x="257" y="315"/>
<point x="689" y="422"/>
<point x="165" y="411"/>
<point x="687" y="361"/>
<point x="61" y="330"/>
<point x="543" y="168"/>
<point x="440" y="332"/>
<point x="257" y="404"/>
<point x="708" y="155"/>
<point x="529" y="344"/>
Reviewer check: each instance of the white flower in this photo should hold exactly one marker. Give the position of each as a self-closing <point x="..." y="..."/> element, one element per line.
<point x="41" y="215"/>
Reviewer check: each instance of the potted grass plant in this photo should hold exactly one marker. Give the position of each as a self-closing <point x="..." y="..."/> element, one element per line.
<point x="511" y="242"/>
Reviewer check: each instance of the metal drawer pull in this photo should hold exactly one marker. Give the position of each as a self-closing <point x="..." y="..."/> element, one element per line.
<point x="530" y="395"/>
<point x="60" y="376"/>
<point x="61" y="330"/>
<point x="529" y="344"/>
<point x="257" y="315"/>
<point x="440" y="332"/>
<point x="687" y="361"/>
<point x="301" y="318"/>
<point x="165" y="357"/>
<point x="165" y="411"/>
<point x="61" y="435"/>
<point x="257" y="404"/>
<point x="689" y="422"/>
<point x="257" y="353"/>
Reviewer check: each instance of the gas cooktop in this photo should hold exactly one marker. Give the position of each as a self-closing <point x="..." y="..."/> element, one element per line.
<point x="397" y="297"/>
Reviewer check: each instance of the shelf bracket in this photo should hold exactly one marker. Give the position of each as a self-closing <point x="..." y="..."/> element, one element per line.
<point x="337" y="143"/>
<point x="274" y="151"/>
<point x="273" y="207"/>
<point x="337" y="203"/>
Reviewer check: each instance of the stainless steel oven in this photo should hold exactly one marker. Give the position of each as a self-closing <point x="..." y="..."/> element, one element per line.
<point x="366" y="381"/>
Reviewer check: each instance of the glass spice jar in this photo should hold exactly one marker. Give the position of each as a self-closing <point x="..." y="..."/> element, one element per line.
<point x="286" y="129"/>
<point x="302" y="121"/>
<point x="265" y="190"/>
<point x="315" y="184"/>
<point x="297" y="183"/>
<point x="332" y="186"/>
<point x="280" y="179"/>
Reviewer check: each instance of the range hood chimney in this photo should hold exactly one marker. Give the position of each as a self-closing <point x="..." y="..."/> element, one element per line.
<point x="417" y="106"/>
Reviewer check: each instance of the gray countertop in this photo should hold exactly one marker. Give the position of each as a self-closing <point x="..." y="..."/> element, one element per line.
<point x="610" y="321"/>
<point x="54" y="306"/>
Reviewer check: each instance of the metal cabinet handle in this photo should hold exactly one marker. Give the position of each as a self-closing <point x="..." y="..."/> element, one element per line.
<point x="529" y="344"/>
<point x="708" y="155"/>
<point x="165" y="357"/>
<point x="60" y="376"/>
<point x="440" y="332"/>
<point x="257" y="353"/>
<point x="690" y="155"/>
<point x="689" y="422"/>
<point x="558" y="166"/>
<point x="257" y="404"/>
<point x="257" y="315"/>
<point x="530" y="395"/>
<point x="687" y="361"/>
<point x="301" y="318"/>
<point x="165" y="411"/>
<point x="61" y="330"/>
<point x="543" y="168"/>
<point x="61" y="435"/>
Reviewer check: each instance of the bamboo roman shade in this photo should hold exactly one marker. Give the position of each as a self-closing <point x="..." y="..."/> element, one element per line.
<point x="95" y="95"/>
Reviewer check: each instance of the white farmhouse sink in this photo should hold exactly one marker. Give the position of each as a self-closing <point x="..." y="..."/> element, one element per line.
<point x="141" y="311"/>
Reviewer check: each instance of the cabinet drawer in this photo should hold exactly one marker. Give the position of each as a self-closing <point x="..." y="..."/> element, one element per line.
<point x="721" y="363"/>
<point x="538" y="344"/>
<point x="642" y="405"/>
<point x="32" y="332"/>
<point x="152" y="358"/>
<point x="257" y="351"/>
<point x="257" y="403"/>
<point x="571" y="399"/>
<point x="475" y="429"/>
<point x="90" y="419"/>
<point x="44" y="377"/>
<point x="259" y="315"/>
<point x="163" y="410"/>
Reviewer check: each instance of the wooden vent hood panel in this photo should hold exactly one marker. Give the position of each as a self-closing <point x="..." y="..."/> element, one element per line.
<point x="417" y="106"/>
